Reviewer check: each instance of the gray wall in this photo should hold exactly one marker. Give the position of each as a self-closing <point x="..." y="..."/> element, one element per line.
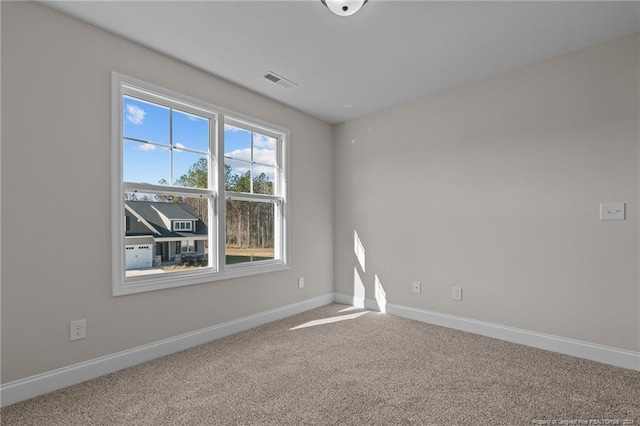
<point x="495" y="187"/>
<point x="56" y="134"/>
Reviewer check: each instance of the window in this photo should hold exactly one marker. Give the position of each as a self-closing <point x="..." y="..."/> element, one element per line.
<point x="187" y="246"/>
<point x="182" y="225"/>
<point x="182" y="165"/>
<point x="252" y="182"/>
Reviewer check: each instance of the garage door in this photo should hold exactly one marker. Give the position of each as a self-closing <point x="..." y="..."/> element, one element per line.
<point x="138" y="256"/>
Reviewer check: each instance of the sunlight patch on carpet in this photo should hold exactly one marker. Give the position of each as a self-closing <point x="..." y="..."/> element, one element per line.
<point x="350" y="308"/>
<point x="330" y="320"/>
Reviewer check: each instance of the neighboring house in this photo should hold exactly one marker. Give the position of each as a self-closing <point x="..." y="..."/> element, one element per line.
<point x="158" y="231"/>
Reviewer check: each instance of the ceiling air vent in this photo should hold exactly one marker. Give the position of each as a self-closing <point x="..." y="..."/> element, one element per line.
<point x="279" y="80"/>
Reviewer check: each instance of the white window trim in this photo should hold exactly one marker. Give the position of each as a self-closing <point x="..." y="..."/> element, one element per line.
<point x="122" y="285"/>
<point x="188" y="228"/>
<point x="182" y="250"/>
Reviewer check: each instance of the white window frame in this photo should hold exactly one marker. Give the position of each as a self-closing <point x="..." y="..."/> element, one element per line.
<point x="121" y="284"/>
<point x="184" y="225"/>
<point x="280" y="182"/>
<point x="186" y="246"/>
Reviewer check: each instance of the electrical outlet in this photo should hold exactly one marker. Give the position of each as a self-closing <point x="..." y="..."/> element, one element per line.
<point x="78" y="329"/>
<point x="416" y="287"/>
<point x="300" y="282"/>
<point x="612" y="211"/>
<point x="456" y="293"/>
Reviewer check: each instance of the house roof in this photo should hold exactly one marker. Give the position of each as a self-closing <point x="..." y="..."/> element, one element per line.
<point x="153" y="212"/>
<point x="175" y="211"/>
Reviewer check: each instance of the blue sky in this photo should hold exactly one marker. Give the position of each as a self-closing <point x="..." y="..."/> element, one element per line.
<point x="149" y="138"/>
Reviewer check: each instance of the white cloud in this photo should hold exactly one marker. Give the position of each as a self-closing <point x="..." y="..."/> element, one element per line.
<point x="229" y="128"/>
<point x="240" y="154"/>
<point x="262" y="141"/>
<point x="135" y="114"/>
<point x="239" y="171"/>
<point x="264" y="156"/>
<point x="269" y="171"/>
<point x="180" y="146"/>
<point x="257" y="170"/>
<point x="147" y="147"/>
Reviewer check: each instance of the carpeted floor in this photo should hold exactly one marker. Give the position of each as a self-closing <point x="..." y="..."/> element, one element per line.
<point x="338" y="365"/>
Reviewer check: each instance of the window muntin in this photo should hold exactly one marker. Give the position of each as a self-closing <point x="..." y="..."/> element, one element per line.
<point x="145" y="121"/>
<point x="254" y="194"/>
<point x="251" y="160"/>
<point x="182" y="225"/>
<point x="145" y="162"/>
<point x="264" y="179"/>
<point x="162" y="143"/>
<point x="187" y="246"/>
<point x="154" y="225"/>
<point x="184" y="156"/>
<point x="190" y="131"/>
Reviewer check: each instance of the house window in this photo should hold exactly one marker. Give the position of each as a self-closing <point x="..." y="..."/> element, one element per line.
<point x="187" y="246"/>
<point x="180" y="164"/>
<point x="182" y="225"/>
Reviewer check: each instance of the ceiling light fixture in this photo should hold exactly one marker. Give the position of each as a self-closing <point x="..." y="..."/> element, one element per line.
<point x="344" y="7"/>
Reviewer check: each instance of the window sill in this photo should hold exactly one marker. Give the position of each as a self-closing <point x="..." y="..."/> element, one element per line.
<point x="163" y="281"/>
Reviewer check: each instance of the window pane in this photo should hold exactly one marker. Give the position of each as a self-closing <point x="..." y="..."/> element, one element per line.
<point x="145" y="121"/>
<point x="169" y="145"/>
<point x="187" y="246"/>
<point x="250" y="231"/>
<point x="237" y="143"/>
<point x="263" y="179"/>
<point x="237" y="175"/>
<point x="189" y="169"/>
<point x="153" y="245"/>
<point x="146" y="163"/>
<point x="190" y="131"/>
<point x="264" y="149"/>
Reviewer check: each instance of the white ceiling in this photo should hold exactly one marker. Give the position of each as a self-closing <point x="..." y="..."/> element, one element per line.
<point x="388" y="53"/>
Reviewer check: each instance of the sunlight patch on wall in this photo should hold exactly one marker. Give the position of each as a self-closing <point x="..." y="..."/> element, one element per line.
<point x="358" y="289"/>
<point x="380" y="295"/>
<point x="358" y="249"/>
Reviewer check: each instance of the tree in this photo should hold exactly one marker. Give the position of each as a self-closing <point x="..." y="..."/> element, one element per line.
<point x="197" y="176"/>
<point x="248" y="224"/>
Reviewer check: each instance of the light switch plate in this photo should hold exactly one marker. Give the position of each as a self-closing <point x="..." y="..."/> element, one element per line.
<point x="456" y="293"/>
<point x="612" y="211"/>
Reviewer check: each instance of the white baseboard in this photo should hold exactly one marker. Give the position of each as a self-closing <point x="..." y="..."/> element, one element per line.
<point x="592" y="351"/>
<point x="359" y="302"/>
<point x="30" y="387"/>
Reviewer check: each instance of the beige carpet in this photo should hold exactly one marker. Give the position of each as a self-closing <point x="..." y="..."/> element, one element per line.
<point x="367" y="368"/>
